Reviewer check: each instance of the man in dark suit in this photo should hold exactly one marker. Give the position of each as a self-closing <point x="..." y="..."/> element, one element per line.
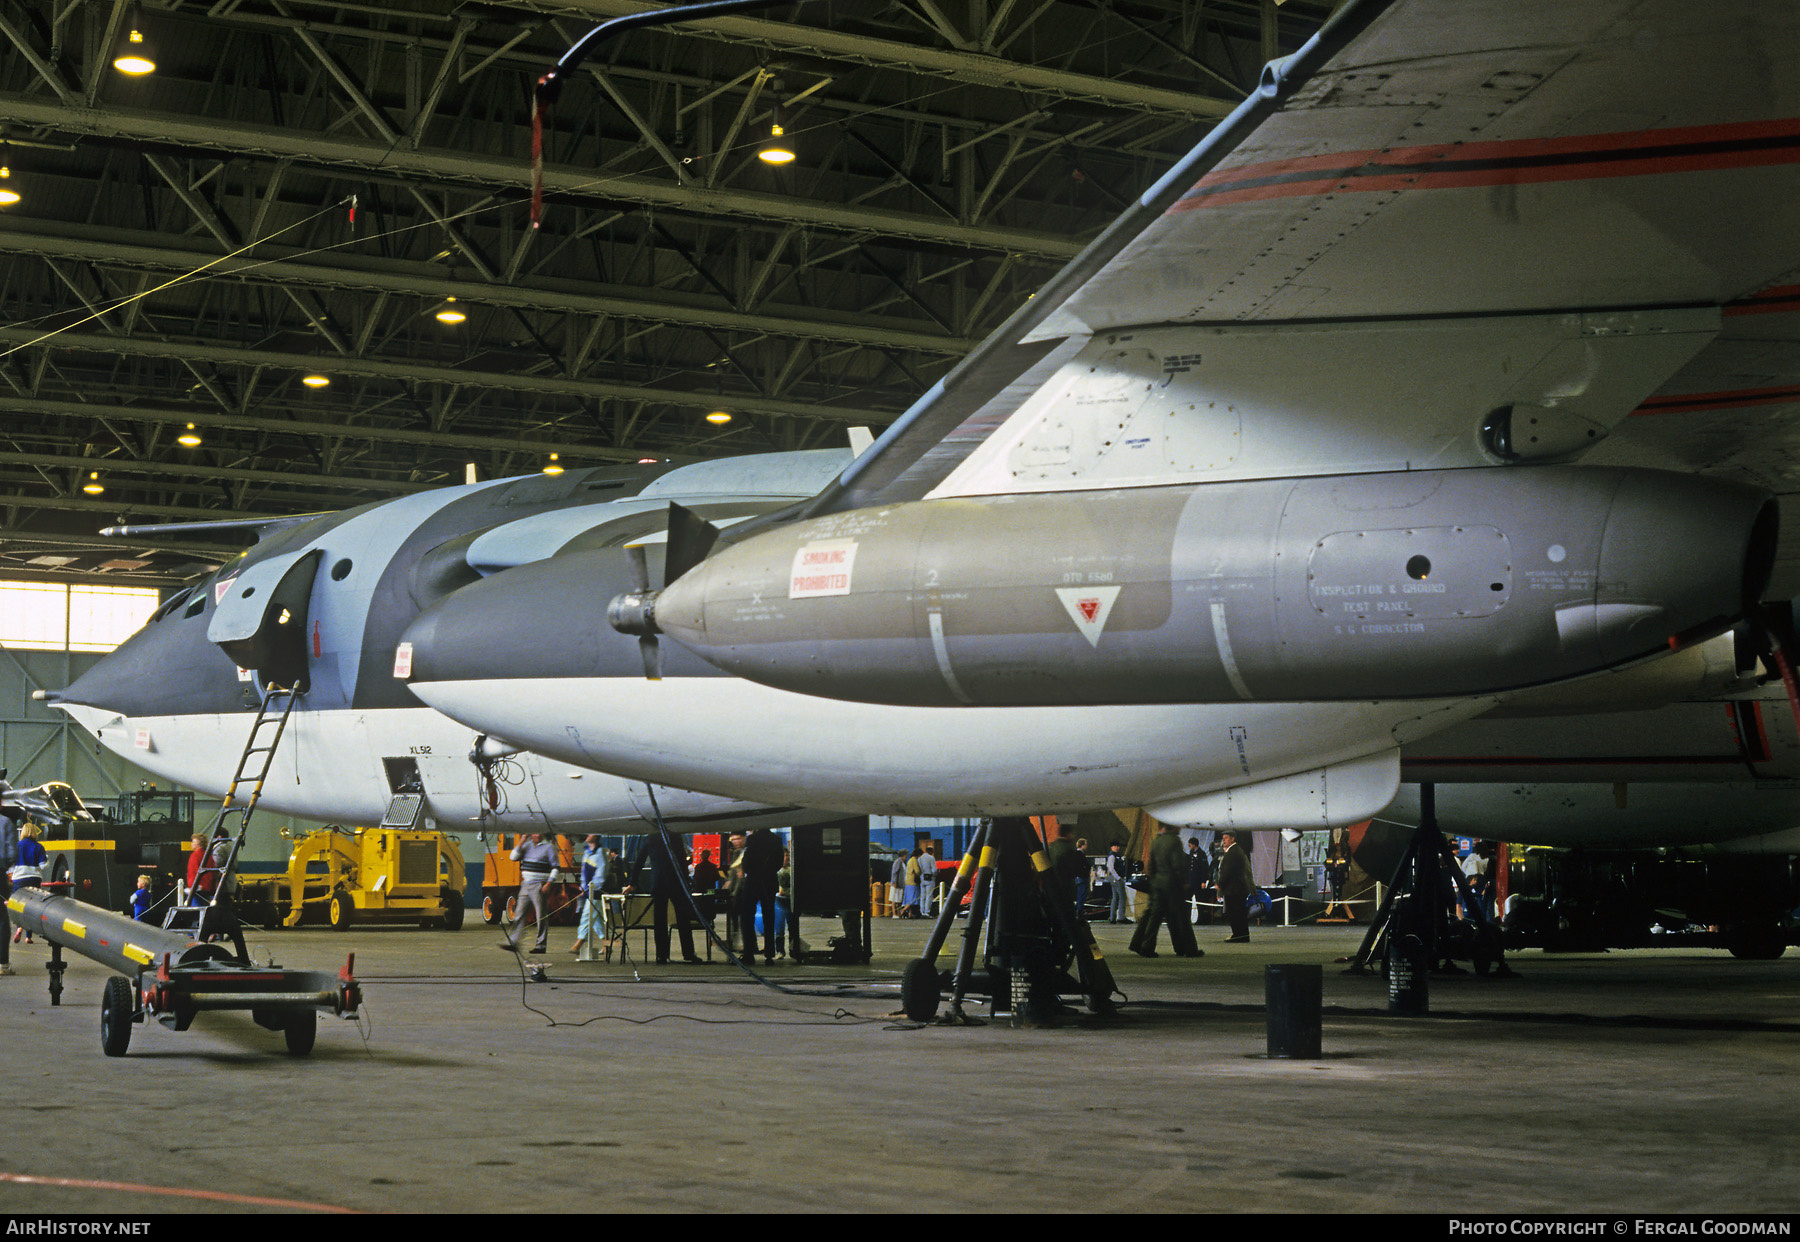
<point x="762" y="860"/>
<point x="1234" y="883"/>
<point x="666" y="884"/>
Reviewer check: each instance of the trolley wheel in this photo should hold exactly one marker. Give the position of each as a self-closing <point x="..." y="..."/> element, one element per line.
<point x="490" y="909"/>
<point x="117" y="1004"/>
<point x="300" y="1030"/>
<point x="512" y="909"/>
<point x="342" y="910"/>
<point x="920" y="990"/>
<point x="453" y="911"/>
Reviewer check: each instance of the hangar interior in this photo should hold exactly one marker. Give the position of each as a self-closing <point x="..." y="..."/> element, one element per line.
<point x="294" y="270"/>
<point x="226" y="280"/>
<point x="301" y="189"/>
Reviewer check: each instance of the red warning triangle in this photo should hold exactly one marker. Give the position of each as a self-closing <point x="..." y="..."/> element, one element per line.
<point x="1088" y="608"/>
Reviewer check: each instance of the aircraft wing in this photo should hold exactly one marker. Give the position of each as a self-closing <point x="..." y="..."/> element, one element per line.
<point x="1629" y="163"/>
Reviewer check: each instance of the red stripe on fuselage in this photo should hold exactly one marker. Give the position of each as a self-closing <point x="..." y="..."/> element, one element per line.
<point x="1773" y="301"/>
<point x="1516" y="162"/>
<point x="1684" y="403"/>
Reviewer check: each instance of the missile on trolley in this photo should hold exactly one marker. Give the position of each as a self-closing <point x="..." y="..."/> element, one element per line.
<point x="173" y="976"/>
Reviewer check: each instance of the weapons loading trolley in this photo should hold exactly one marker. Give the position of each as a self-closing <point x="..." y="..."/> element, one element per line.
<point x="174" y="976"/>
<point x="186" y="966"/>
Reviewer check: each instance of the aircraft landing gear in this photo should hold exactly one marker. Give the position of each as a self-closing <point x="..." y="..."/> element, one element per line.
<point x="1031" y="936"/>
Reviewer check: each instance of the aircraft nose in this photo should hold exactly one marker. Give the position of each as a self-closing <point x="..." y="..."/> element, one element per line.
<point x="165" y="669"/>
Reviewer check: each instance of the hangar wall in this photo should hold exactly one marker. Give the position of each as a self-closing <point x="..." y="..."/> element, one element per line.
<point x="39" y="743"/>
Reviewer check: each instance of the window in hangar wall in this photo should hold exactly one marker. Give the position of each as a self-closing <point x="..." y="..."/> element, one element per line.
<point x="56" y="616"/>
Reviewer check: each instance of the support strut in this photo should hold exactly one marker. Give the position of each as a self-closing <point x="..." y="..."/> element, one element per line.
<point x="1024" y="927"/>
<point x="1412" y="933"/>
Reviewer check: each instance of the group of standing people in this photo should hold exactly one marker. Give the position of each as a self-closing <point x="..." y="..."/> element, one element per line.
<point x="759" y="880"/>
<point x="912" y="883"/>
<point x="602" y="878"/>
<point x="1171" y="878"/>
<point x="756" y="879"/>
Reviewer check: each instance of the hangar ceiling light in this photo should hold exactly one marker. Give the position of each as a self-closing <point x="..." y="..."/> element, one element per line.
<point x="133" y="58"/>
<point x="776" y="149"/>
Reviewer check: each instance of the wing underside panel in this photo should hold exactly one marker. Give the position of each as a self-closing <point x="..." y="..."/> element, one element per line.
<point x="1434" y="160"/>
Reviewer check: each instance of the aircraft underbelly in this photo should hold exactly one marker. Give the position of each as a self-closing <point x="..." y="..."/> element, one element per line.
<point x="738" y="739"/>
<point x="1598" y="815"/>
<point x="329" y="767"/>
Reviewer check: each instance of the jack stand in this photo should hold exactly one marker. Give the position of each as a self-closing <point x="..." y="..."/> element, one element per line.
<point x="1412" y="933"/>
<point x="56" y="966"/>
<point x="1031" y="935"/>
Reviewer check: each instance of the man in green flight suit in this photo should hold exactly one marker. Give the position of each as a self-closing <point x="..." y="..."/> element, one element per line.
<point x="1168" y="893"/>
<point x="1068" y="866"/>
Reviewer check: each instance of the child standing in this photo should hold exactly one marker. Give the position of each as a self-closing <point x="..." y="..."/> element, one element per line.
<point x="140" y="899"/>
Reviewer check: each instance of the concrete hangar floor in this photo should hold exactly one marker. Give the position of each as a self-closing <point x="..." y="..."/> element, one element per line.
<point x="1638" y="1082"/>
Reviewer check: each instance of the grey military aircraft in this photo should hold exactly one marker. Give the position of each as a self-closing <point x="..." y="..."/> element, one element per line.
<point x="321" y="602"/>
<point x="1447" y="368"/>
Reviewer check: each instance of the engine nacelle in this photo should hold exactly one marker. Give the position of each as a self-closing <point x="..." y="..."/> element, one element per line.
<point x="1378" y="586"/>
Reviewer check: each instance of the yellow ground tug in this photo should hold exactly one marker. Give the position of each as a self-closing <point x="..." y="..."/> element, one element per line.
<point x="345" y="875"/>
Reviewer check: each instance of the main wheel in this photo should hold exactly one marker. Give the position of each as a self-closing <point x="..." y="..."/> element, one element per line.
<point x="920" y="990"/>
<point x="117" y="1004"/>
<point x="300" y="1031"/>
<point x="1756" y="942"/>
<point x="342" y="910"/>
<point x="453" y="911"/>
<point x="490" y="909"/>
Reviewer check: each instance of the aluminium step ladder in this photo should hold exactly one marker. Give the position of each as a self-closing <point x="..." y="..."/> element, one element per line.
<point x="204" y="915"/>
